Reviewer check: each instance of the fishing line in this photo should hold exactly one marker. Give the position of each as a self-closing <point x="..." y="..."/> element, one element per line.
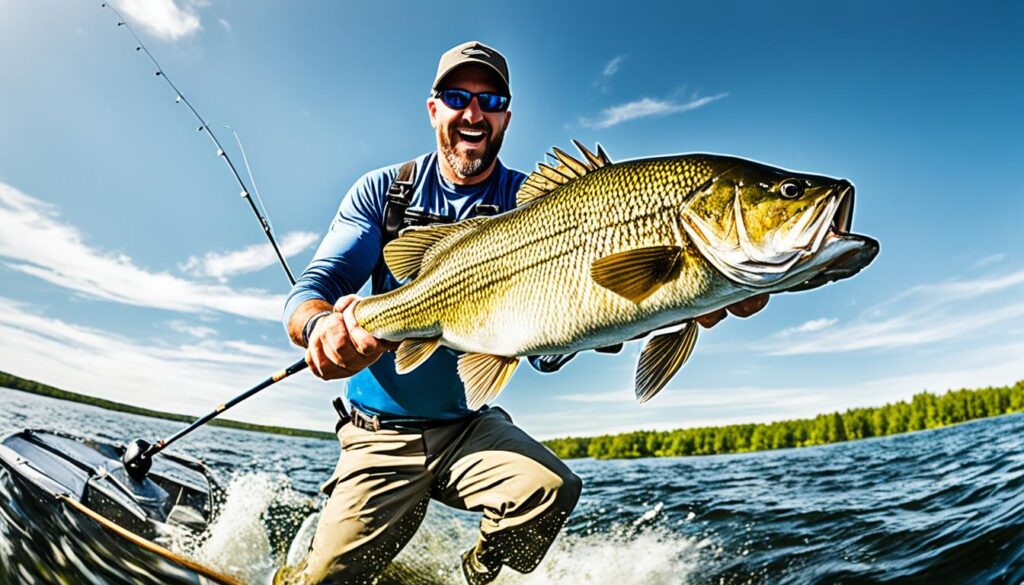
<point x="204" y="127"/>
<point x="252" y="179"/>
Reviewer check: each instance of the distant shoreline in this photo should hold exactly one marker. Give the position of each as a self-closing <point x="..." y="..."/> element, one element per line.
<point x="32" y="387"/>
<point x="925" y="411"/>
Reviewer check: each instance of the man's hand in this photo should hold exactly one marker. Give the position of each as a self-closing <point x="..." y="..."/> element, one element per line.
<point x="744" y="308"/>
<point x="339" y="347"/>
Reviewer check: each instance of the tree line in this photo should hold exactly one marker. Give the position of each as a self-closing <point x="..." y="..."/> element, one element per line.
<point x="924" y="411"/>
<point x="31" y="386"/>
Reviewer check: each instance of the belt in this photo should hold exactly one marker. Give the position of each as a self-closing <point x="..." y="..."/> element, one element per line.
<point x="375" y="423"/>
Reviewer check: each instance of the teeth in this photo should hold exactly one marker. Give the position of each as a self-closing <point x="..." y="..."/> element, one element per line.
<point x="471" y="133"/>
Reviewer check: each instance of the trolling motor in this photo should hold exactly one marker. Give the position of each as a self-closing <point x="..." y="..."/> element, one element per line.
<point x="138" y="456"/>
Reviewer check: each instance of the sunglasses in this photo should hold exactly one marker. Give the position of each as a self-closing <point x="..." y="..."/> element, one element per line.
<point x="458" y="99"/>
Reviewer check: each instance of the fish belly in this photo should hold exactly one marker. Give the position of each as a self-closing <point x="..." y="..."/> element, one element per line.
<point x="556" y="307"/>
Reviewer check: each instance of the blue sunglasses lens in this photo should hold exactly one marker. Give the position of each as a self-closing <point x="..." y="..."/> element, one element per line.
<point x="491" y="102"/>
<point x="458" y="99"/>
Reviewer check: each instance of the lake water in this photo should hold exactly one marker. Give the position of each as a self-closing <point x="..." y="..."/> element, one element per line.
<point x="941" y="506"/>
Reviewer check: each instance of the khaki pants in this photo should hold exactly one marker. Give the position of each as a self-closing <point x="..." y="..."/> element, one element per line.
<point x="379" y="492"/>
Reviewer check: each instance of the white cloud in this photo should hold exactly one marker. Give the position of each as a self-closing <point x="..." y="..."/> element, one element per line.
<point x="188" y="378"/>
<point x="966" y="289"/>
<point x="902" y="331"/>
<point x="164" y="19"/>
<point x="224" y="23"/>
<point x="921" y="315"/>
<point x="617" y="411"/>
<point x="613" y="66"/>
<point x="992" y="259"/>
<point x="610" y="69"/>
<point x="809" y="326"/>
<point x="39" y="244"/>
<point x="200" y="331"/>
<point x="221" y="265"/>
<point x="645" y="107"/>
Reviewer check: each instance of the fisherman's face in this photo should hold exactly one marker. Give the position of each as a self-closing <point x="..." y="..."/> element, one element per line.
<point x="470" y="138"/>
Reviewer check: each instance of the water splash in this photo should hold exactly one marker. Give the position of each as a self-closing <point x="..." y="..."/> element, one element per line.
<point x="251" y="529"/>
<point x="651" y="556"/>
<point x="641" y="551"/>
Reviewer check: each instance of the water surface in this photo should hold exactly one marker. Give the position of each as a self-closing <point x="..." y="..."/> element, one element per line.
<point x="941" y="506"/>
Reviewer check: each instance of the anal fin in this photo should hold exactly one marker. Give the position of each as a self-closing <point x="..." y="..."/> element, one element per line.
<point x="413" y="352"/>
<point x="661" y="358"/>
<point x="484" y="376"/>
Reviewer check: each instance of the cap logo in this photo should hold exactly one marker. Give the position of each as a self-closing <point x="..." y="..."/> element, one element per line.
<point x="472" y="51"/>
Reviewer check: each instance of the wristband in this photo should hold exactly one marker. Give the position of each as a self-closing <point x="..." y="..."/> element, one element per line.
<point x="308" y="329"/>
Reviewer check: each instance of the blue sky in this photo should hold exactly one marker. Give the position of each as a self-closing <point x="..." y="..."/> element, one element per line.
<point x="130" y="268"/>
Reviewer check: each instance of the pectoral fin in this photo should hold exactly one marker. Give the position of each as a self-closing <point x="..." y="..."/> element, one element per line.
<point x="661" y="358"/>
<point x="413" y="352"/>
<point x="484" y="376"/>
<point x="637" y="274"/>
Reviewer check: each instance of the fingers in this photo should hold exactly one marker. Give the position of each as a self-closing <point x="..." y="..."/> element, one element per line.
<point x="316" y="359"/>
<point x="744" y="308"/>
<point x="711" y="319"/>
<point x="324" y="361"/>
<point x="363" y="343"/>
<point x="339" y="347"/>
<point x="748" y="307"/>
<point x="344" y="302"/>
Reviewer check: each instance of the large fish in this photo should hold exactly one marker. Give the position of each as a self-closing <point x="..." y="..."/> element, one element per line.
<point x="597" y="253"/>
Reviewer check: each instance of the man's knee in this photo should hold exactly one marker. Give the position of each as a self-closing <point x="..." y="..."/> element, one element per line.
<point x="568" y="491"/>
<point x="559" y="490"/>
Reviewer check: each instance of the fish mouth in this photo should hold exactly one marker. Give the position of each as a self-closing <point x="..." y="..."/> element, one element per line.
<point x="842" y="221"/>
<point x="816" y="247"/>
<point x="853" y="252"/>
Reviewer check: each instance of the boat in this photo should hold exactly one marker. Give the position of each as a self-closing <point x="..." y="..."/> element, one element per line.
<point x="88" y="477"/>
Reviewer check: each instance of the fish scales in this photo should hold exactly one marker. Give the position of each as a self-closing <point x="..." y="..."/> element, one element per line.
<point x="520" y="284"/>
<point x="598" y="253"/>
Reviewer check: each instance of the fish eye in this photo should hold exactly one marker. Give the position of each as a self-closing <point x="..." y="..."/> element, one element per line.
<point x="791" y="189"/>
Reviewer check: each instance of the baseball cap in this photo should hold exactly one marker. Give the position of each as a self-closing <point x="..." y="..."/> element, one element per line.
<point x="472" y="53"/>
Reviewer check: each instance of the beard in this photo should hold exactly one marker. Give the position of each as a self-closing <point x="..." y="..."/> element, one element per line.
<point x="467" y="166"/>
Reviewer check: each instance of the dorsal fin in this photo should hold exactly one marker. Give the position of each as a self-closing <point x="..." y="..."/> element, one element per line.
<point x="416" y="247"/>
<point x="567" y="168"/>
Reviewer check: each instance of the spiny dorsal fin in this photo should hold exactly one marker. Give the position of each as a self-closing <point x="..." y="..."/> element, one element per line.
<point x="661" y="358"/>
<point x="637" y="274"/>
<point x="415" y="247"/>
<point x="484" y="376"/>
<point x="413" y="352"/>
<point x="547" y="178"/>
<point x="596" y="160"/>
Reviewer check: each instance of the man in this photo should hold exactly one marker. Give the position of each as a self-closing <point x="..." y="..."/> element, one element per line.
<point x="411" y="438"/>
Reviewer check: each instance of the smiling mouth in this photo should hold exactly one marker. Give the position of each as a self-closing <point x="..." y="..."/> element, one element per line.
<point x="471" y="136"/>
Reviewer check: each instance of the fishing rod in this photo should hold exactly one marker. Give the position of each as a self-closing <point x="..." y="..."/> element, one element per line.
<point x="138" y="455"/>
<point x="204" y="127"/>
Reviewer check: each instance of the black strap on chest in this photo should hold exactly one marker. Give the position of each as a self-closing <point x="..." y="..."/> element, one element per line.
<point x="398" y="216"/>
<point x="397" y="200"/>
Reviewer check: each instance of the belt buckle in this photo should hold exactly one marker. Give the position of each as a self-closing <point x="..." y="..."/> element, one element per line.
<point x="372" y="421"/>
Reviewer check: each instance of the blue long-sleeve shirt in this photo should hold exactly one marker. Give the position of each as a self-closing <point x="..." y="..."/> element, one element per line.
<point x="351" y="252"/>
